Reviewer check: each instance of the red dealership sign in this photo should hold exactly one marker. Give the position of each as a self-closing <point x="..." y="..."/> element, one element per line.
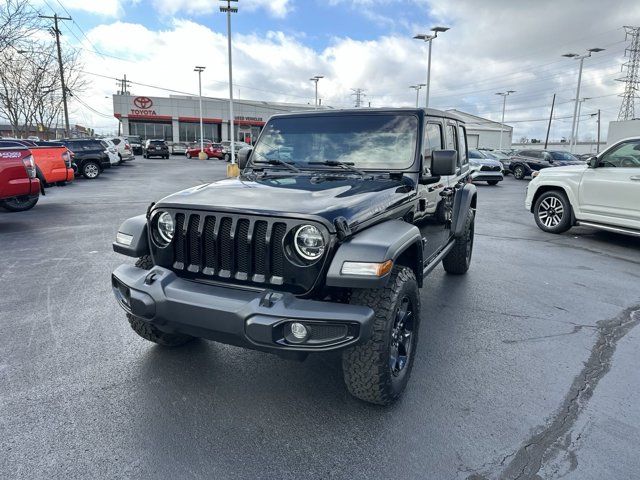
<point x="143" y="102"/>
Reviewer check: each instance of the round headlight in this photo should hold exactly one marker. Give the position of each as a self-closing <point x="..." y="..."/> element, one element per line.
<point x="165" y="227"/>
<point x="309" y="242"/>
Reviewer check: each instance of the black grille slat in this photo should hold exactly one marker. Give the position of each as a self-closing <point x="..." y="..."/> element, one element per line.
<point x="179" y="242"/>
<point x="193" y="239"/>
<point x="260" y="248"/>
<point x="209" y="241"/>
<point x="276" y="250"/>
<point x="225" y="245"/>
<point x="242" y="250"/>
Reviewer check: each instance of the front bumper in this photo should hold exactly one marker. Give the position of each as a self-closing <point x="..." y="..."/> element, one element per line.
<point x="482" y="176"/>
<point x="253" y="319"/>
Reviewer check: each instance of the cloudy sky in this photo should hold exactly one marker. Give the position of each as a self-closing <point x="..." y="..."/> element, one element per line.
<point x="493" y="46"/>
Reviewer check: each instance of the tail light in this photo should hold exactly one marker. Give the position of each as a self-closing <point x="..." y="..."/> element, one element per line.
<point x="29" y="166"/>
<point x="127" y="146"/>
<point x="66" y="156"/>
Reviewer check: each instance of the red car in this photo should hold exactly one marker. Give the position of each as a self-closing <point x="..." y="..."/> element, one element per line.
<point x="19" y="187"/>
<point x="213" y="150"/>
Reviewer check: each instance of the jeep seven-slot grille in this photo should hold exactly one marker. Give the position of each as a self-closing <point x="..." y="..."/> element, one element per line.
<point x="223" y="246"/>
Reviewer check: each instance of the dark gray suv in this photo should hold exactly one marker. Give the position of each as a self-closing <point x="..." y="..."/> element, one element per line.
<point x="155" y="148"/>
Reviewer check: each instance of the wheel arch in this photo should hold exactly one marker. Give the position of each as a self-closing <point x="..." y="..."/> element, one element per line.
<point x="549" y="188"/>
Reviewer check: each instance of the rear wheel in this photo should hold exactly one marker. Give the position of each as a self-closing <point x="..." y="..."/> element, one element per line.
<point x="188" y="155"/>
<point x="227" y="157"/>
<point x="519" y="172"/>
<point x="19" y="204"/>
<point x="493" y="182"/>
<point x="552" y="212"/>
<point x="149" y="331"/>
<point x="378" y="371"/>
<point x="90" y="170"/>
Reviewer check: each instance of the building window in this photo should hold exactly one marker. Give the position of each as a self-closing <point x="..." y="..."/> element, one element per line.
<point x="190" y="132"/>
<point x="149" y="130"/>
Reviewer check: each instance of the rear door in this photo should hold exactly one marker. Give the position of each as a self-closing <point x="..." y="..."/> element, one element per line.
<point x="610" y="194"/>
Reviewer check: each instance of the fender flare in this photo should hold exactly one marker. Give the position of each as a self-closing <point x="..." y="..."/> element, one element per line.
<point x="136" y="227"/>
<point x="465" y="199"/>
<point x="394" y="240"/>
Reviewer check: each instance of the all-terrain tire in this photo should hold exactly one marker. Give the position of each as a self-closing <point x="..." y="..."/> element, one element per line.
<point x="367" y="367"/>
<point x="458" y="259"/>
<point x="552" y="212"/>
<point x="149" y="331"/>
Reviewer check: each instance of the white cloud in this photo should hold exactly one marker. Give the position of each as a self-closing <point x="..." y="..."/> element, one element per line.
<point x="276" y="8"/>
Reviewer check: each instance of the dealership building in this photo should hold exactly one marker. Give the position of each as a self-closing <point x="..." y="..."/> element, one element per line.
<point x="177" y="119"/>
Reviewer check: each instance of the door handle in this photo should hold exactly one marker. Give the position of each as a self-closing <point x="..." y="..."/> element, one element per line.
<point x="635" y="177"/>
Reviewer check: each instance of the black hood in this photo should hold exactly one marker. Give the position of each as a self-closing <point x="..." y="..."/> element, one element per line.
<point x="351" y="197"/>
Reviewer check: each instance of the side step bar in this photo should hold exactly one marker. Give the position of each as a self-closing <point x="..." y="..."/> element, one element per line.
<point x="609" y="228"/>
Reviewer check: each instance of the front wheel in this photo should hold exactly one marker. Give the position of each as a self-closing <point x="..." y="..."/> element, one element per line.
<point x="458" y="259"/>
<point x="378" y="371"/>
<point x="552" y="212"/>
<point x="19" y="204"/>
<point x="492" y="182"/>
<point x="148" y="331"/>
<point x="90" y="170"/>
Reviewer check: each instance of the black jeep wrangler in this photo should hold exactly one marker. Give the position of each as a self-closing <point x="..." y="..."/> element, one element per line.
<point x="321" y="244"/>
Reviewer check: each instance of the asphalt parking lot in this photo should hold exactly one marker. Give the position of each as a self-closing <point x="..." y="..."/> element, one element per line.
<point x="527" y="366"/>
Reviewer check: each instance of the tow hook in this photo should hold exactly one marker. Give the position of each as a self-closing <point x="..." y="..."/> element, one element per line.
<point x="149" y="279"/>
<point x="270" y="298"/>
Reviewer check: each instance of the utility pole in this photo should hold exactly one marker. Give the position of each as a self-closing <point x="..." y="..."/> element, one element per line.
<point x="233" y="170"/>
<point x="57" y="34"/>
<point x="358" y="93"/>
<point x="582" y="100"/>
<point x="553" y="103"/>
<point x="632" y="79"/>
<point x="597" y="115"/>
<point x="504" y="96"/>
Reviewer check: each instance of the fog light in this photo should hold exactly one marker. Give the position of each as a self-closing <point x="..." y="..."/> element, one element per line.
<point x="299" y="331"/>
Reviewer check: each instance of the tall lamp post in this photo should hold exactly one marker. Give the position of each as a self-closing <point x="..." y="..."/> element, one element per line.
<point x="504" y="96"/>
<point x="417" y="88"/>
<point x="425" y="37"/>
<point x="201" y="155"/>
<point x="316" y="79"/>
<point x="232" y="170"/>
<point x="575" y="56"/>
<point x="582" y="100"/>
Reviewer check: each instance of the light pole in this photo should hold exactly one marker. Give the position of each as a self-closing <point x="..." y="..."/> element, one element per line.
<point x="429" y="38"/>
<point x="504" y="96"/>
<point x="316" y="79"/>
<point x="201" y="155"/>
<point x="582" y="100"/>
<point x="575" y="107"/>
<point x="417" y="88"/>
<point x="232" y="170"/>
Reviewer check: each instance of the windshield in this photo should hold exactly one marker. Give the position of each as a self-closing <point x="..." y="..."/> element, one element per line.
<point x="382" y="142"/>
<point x="563" y="156"/>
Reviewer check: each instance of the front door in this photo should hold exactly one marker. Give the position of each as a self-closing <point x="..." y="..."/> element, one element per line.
<point x="432" y="213"/>
<point x="610" y="193"/>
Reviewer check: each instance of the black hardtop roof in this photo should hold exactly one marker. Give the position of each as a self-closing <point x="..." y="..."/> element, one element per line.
<point x="426" y="112"/>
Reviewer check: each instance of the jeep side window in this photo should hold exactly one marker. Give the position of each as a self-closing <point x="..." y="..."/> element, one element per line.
<point x="452" y="140"/>
<point x="432" y="141"/>
<point x="462" y="151"/>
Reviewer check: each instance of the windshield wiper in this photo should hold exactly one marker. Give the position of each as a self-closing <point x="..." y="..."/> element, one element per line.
<point x="338" y="163"/>
<point x="275" y="161"/>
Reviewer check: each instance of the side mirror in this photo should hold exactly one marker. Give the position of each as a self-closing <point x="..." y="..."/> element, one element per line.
<point x="444" y="163"/>
<point x="243" y="157"/>
<point x="593" y="162"/>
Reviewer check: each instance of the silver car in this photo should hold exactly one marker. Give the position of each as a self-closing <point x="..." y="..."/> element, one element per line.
<point x="178" y="148"/>
<point x="484" y="168"/>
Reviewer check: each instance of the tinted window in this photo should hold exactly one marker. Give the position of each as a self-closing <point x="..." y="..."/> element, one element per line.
<point x="475" y="154"/>
<point x="157" y="142"/>
<point x="116" y="141"/>
<point x="563" y="156"/>
<point x="625" y="155"/>
<point x="452" y="139"/>
<point x="432" y="138"/>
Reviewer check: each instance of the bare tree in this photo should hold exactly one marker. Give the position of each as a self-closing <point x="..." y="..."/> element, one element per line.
<point x="18" y="22"/>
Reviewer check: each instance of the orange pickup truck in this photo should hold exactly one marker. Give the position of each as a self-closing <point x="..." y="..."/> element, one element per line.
<point x="53" y="161"/>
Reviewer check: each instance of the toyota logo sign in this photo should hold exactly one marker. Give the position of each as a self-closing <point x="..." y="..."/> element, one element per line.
<point x="143" y="102"/>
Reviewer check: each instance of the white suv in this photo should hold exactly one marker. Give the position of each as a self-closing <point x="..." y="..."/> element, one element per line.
<point x="124" y="150"/>
<point x="604" y="193"/>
